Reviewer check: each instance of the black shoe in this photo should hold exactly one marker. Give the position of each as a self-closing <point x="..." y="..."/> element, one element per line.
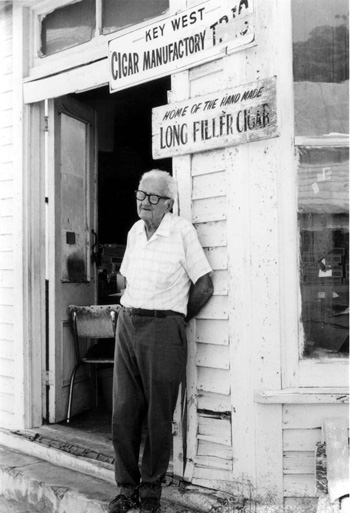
<point x="150" y="504"/>
<point x="121" y="504"/>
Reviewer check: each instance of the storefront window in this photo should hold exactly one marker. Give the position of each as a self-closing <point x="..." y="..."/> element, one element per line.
<point x="321" y="80"/>
<point x="117" y="14"/>
<point x="68" y="26"/>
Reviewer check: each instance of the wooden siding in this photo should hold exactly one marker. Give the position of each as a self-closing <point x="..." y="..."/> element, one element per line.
<point x="7" y="364"/>
<point x="213" y="460"/>
<point x="302" y="429"/>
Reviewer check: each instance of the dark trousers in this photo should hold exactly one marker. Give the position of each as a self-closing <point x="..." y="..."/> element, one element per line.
<point x="150" y="362"/>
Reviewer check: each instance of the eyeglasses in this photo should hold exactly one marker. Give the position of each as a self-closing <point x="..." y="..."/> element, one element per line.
<point x="152" y="198"/>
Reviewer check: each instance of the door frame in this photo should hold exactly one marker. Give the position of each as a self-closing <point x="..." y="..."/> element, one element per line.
<point x="181" y="166"/>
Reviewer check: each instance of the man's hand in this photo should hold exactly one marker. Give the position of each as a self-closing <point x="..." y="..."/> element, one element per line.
<point x="200" y="292"/>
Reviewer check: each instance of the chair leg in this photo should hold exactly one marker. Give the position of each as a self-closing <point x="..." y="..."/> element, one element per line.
<point x="71" y="386"/>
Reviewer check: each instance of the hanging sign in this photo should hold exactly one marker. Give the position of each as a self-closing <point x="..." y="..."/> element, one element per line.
<point x="234" y="116"/>
<point x="180" y="41"/>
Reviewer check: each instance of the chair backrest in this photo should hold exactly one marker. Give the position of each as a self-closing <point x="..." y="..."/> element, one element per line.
<point x="96" y="321"/>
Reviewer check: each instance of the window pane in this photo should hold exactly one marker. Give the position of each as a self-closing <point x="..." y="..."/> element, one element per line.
<point x="68" y="26"/>
<point x="117" y="14"/>
<point x="321" y="66"/>
<point x="321" y="105"/>
<point x="324" y="245"/>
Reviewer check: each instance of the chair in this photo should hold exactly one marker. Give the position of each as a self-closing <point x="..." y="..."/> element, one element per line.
<point x="97" y="321"/>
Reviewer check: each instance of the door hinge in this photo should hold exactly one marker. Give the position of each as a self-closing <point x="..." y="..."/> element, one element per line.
<point x="48" y="378"/>
<point x="46" y="123"/>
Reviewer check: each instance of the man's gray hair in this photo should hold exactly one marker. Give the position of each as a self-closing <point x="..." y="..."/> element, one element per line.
<point x="170" y="185"/>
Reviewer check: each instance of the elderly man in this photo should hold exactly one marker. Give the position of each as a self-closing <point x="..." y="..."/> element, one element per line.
<point x="168" y="281"/>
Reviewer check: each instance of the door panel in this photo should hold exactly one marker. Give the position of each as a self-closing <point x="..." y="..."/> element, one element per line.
<point x="73" y="211"/>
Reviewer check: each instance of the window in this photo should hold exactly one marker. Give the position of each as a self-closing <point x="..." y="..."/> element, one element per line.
<point x="67" y="27"/>
<point x="77" y="22"/>
<point x="117" y="14"/>
<point x="321" y="104"/>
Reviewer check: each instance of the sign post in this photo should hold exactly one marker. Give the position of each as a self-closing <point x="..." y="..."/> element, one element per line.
<point x="180" y="41"/>
<point x="225" y="118"/>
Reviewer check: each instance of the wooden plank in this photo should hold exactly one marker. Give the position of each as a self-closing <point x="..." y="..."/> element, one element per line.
<point x="301" y="439"/>
<point x="5" y="135"/>
<point x="213" y="462"/>
<point x="6" y="334"/>
<point x="213" y="380"/>
<point x="212" y="356"/>
<point x="209" y="209"/>
<point x="6" y="258"/>
<point x="7" y="368"/>
<point x="7" y="281"/>
<point x="303" y="396"/>
<point x="212" y="331"/>
<point x="336" y="435"/>
<point x="214" y="402"/>
<point x="7" y="402"/>
<point x="313" y="371"/>
<point x="6" y="225"/>
<point x="213" y="426"/>
<point x="76" y="80"/>
<point x="6" y="83"/>
<point x="208" y="162"/>
<point x="299" y="462"/>
<point x="206" y="78"/>
<point x="6" y="172"/>
<point x="220" y="282"/>
<point x="226" y="486"/>
<point x="6" y="345"/>
<point x="7" y="65"/>
<point x="7" y="295"/>
<point x="6" y="118"/>
<point x="216" y="308"/>
<point x="212" y="474"/>
<point x="6" y="154"/>
<point x="211" y="449"/>
<point x="6" y="47"/>
<point x="6" y="100"/>
<point x="6" y="189"/>
<point x="311" y="416"/>
<point x="304" y="504"/>
<point x="217" y="257"/>
<point x="302" y="485"/>
<point x="209" y="185"/>
<point x="6" y="206"/>
<point x="6" y="243"/>
<point x="7" y="385"/>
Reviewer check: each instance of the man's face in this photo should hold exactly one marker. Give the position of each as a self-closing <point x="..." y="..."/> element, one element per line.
<point x="152" y="213"/>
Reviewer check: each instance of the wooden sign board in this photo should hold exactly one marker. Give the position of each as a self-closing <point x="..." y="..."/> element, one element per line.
<point x="180" y="41"/>
<point x="231" y="117"/>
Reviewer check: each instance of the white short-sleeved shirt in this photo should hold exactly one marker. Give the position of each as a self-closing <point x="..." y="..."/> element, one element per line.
<point x="159" y="271"/>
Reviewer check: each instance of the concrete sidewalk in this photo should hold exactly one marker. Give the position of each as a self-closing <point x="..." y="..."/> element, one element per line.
<point x="29" y="484"/>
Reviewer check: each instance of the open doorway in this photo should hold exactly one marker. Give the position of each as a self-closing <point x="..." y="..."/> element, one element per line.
<point x="124" y="128"/>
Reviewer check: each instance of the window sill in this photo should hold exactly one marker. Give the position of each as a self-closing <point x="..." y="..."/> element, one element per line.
<point x="303" y="396"/>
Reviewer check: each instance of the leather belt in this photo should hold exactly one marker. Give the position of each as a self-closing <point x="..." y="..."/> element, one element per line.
<point x="160" y="314"/>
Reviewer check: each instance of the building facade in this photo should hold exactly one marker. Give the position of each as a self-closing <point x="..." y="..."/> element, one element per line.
<point x="263" y="176"/>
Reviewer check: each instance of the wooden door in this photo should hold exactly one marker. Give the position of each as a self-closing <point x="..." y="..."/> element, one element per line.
<point x="72" y="220"/>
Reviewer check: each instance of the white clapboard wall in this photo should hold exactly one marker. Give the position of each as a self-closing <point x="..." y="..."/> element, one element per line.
<point x="7" y="396"/>
<point x="302" y="429"/>
<point x="202" y="184"/>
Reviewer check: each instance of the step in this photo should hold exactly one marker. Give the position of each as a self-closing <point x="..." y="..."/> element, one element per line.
<point x="12" y="506"/>
<point x="51" y="488"/>
<point x="48" y="488"/>
<point x="192" y="498"/>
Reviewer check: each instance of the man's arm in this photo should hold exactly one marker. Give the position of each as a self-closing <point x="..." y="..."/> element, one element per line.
<point x="200" y="292"/>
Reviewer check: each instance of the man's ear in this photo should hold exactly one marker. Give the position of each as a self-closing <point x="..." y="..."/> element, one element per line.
<point x="169" y="204"/>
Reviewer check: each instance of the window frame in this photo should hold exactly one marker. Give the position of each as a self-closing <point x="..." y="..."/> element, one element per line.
<point x="96" y="49"/>
<point x="297" y="371"/>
